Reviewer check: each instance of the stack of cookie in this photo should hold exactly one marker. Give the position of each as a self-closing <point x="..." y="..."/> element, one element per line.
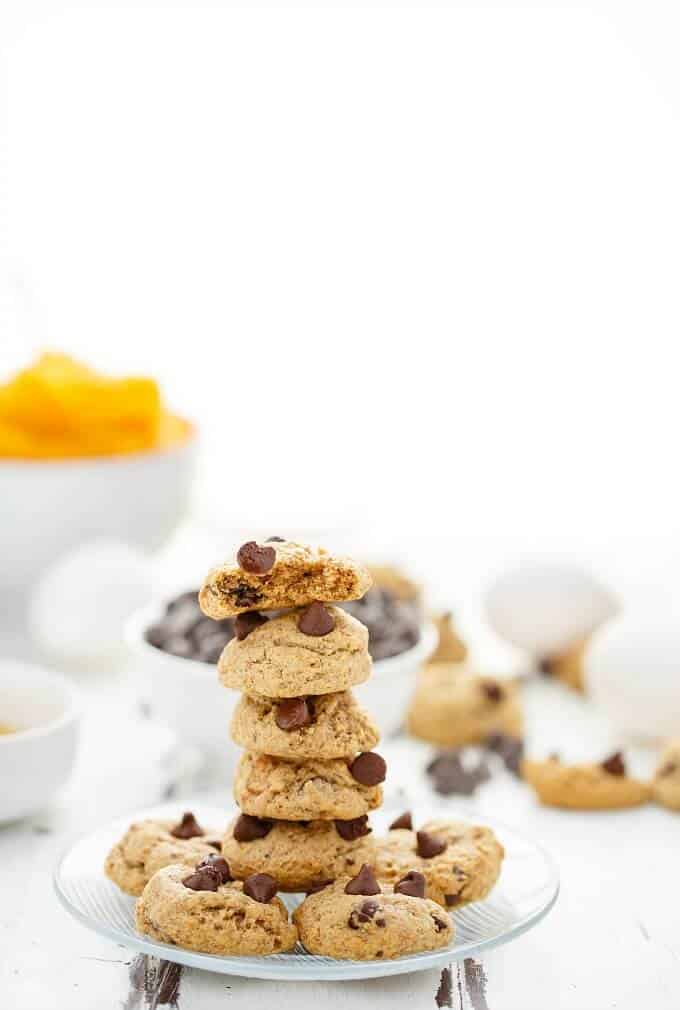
<point x="308" y="777"/>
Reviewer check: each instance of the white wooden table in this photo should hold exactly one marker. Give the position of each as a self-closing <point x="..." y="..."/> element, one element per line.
<point x="613" y="939"/>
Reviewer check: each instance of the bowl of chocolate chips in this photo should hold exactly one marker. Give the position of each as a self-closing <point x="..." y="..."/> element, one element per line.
<point x="177" y="647"/>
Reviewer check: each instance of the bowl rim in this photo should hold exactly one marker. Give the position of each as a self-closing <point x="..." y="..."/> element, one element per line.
<point x="71" y="713"/>
<point x="187" y="443"/>
<point x="150" y="613"/>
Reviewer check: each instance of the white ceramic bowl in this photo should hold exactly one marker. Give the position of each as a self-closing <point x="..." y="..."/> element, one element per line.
<point x="186" y="695"/>
<point x="48" y="507"/>
<point x="38" y="759"/>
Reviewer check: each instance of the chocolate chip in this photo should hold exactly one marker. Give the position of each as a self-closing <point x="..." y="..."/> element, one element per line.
<point x="667" y="769"/>
<point x="364" y="913"/>
<point x="351" y="830"/>
<point x="412" y="884"/>
<point x="614" y="764"/>
<point x="319" y="886"/>
<point x="188" y="827"/>
<point x="380" y="922"/>
<point x="429" y="845"/>
<point x="219" y="864"/>
<point x="393" y="624"/>
<point x="509" y="748"/>
<point x="275" y="540"/>
<point x="245" y="623"/>
<point x="316" y="620"/>
<point x="256" y="560"/>
<point x="204" y="878"/>
<point x="293" y="713"/>
<point x="245" y="596"/>
<point x="439" y="925"/>
<point x="404" y="821"/>
<point x="451" y="776"/>
<point x="363" y="883"/>
<point x="214" y="843"/>
<point x="368" y="768"/>
<point x="261" y="887"/>
<point x="248" y="828"/>
<point x="178" y="646"/>
<point x="545" y="666"/>
<point x="452" y="899"/>
<point x="493" y="691"/>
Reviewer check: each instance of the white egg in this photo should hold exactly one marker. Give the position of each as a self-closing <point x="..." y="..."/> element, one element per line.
<point x="79" y="607"/>
<point x="545" y="608"/>
<point x="632" y="672"/>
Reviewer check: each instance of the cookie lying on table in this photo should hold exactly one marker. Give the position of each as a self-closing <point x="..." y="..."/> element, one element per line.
<point x="204" y="909"/>
<point x="363" y="919"/>
<point x="588" y="786"/>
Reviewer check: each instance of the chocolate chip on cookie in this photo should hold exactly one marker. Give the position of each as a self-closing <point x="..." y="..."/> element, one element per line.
<point x="354" y="828"/>
<point x="493" y="691"/>
<point x="318" y="886"/>
<point x="294" y="713"/>
<point x="429" y="845"/>
<point x="204" y="878"/>
<point x="369" y="768"/>
<point x="413" y="884"/>
<point x="245" y="623"/>
<point x="452" y="899"/>
<point x="254" y="559"/>
<point x="248" y="828"/>
<point x="405" y="820"/>
<point x="188" y="827"/>
<point x="219" y="865"/>
<point x="261" y="887"/>
<point x="315" y="620"/>
<point x="363" y="883"/>
<point x="364" y="913"/>
<point x="439" y="924"/>
<point x="615" y="765"/>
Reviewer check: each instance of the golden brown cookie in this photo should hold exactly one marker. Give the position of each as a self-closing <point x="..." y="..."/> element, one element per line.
<point x="585" y="786"/>
<point x="272" y="787"/>
<point x="450" y="648"/>
<point x="278" y="660"/>
<point x="374" y="922"/>
<point x="277" y="574"/>
<point x="460" y="862"/>
<point x="666" y="781"/>
<point x="321" y="726"/>
<point x="186" y="907"/>
<point x="299" y="854"/>
<point x="452" y="706"/>
<point x="567" y="667"/>
<point x="149" y="845"/>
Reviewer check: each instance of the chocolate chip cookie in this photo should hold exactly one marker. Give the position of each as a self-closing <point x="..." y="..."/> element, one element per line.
<point x="666" y="781"/>
<point x="149" y="845"/>
<point x="285" y="658"/>
<point x="280" y="573"/>
<point x="322" y="726"/>
<point x="272" y="787"/>
<point x="299" y="854"/>
<point x="453" y="706"/>
<point x="364" y="919"/>
<point x="460" y="862"/>
<point x="604" y="786"/>
<point x="202" y="908"/>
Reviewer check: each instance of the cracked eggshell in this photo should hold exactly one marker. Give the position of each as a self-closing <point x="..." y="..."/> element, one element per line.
<point x="632" y="673"/>
<point x="546" y="608"/>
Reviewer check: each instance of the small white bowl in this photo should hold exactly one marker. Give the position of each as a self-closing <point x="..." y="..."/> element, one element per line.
<point x="48" y="507"/>
<point x="186" y="695"/>
<point x="37" y="759"/>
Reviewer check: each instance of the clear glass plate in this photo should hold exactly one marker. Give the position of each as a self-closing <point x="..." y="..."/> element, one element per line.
<point x="526" y="891"/>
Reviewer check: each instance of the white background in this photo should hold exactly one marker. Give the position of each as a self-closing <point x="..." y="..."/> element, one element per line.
<point x="414" y="266"/>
